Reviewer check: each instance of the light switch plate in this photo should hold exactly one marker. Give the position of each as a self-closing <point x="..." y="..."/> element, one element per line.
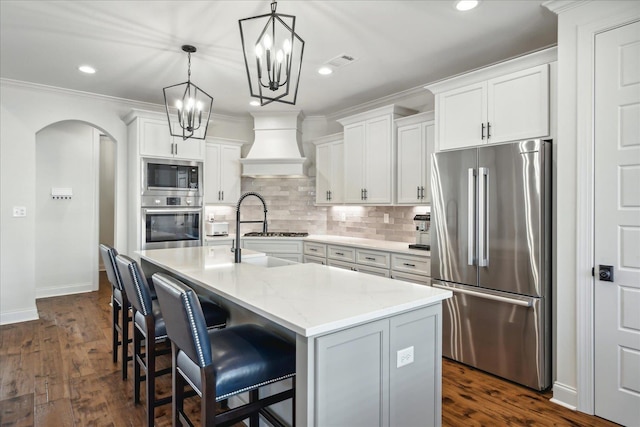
<point x="386" y="218"/>
<point x="405" y="357"/>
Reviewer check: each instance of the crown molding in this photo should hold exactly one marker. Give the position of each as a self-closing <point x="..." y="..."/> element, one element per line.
<point x="560" y="6"/>
<point x="138" y="105"/>
<point x="394" y="98"/>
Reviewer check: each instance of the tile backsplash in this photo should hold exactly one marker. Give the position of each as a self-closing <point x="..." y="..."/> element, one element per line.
<point x="291" y="207"/>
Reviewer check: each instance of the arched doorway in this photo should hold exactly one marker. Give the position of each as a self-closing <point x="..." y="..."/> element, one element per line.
<point x="75" y="194"/>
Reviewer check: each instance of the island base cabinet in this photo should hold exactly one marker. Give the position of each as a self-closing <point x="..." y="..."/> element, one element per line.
<point x="358" y="381"/>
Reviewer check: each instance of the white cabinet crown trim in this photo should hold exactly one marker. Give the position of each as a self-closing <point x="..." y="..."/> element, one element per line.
<point x="415" y="119"/>
<point x="328" y="138"/>
<point x="372" y="114"/>
<point x="512" y="65"/>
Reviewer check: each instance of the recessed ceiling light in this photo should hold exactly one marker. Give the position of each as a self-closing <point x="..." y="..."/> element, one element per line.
<point x="254" y="103"/>
<point x="325" y="71"/>
<point x="464" y="5"/>
<point x="87" y="69"/>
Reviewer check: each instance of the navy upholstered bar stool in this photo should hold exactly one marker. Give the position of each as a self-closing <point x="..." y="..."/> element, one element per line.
<point x="223" y="363"/>
<point x="149" y="330"/>
<point x="119" y="308"/>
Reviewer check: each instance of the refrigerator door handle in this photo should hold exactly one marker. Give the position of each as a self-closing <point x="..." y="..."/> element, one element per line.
<point x="483" y="216"/>
<point x="471" y="216"/>
<point x="514" y="301"/>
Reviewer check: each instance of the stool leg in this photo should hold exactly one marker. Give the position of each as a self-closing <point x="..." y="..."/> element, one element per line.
<point x="150" y="368"/>
<point x="125" y="336"/>
<point x="114" y="329"/>
<point x="254" y="419"/>
<point x="208" y="401"/>
<point x="137" y="338"/>
<point x="177" y="389"/>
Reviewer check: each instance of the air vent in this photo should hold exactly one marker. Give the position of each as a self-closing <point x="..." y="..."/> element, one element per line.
<point x="340" y="61"/>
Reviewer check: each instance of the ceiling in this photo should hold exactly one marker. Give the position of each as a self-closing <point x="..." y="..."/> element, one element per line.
<point x="136" y="46"/>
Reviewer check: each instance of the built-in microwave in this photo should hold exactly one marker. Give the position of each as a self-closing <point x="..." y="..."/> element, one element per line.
<point x="168" y="177"/>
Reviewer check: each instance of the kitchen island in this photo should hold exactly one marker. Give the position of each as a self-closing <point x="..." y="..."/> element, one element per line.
<point x="368" y="349"/>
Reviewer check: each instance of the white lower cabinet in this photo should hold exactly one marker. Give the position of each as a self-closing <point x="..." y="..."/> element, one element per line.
<point x="413" y="278"/>
<point x="362" y="381"/>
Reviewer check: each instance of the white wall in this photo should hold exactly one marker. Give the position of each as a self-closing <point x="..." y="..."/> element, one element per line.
<point x="67" y="155"/>
<point x="26" y="109"/>
<point x="107" y="187"/>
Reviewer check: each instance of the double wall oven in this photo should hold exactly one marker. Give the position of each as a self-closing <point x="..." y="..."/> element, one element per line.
<point x="171" y="203"/>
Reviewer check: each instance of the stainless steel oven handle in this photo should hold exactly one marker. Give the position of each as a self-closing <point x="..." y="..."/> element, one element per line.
<point x="492" y="297"/>
<point x="172" y="210"/>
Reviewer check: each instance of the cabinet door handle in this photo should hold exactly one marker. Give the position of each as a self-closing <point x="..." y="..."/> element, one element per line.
<point x="369" y="258"/>
<point x="330" y="195"/>
<point x="418" y="192"/>
<point x="313" y="249"/>
<point x="482" y="132"/>
<point x="488" y="130"/>
<point x="340" y="253"/>
<point x="365" y="194"/>
<point x="409" y="265"/>
<point x="218" y="194"/>
<point x="222" y="194"/>
<point x="422" y="188"/>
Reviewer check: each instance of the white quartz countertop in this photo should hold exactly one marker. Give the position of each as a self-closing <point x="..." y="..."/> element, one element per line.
<point x="308" y="299"/>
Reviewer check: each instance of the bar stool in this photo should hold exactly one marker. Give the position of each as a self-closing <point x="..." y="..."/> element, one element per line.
<point x="119" y="305"/>
<point x="223" y="363"/>
<point x="149" y="330"/>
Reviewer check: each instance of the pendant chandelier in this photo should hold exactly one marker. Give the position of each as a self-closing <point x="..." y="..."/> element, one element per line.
<point x="272" y="56"/>
<point x="190" y="104"/>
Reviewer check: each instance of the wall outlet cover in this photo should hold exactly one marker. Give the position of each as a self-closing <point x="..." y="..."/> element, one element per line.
<point x="19" y="211"/>
<point x="404" y="357"/>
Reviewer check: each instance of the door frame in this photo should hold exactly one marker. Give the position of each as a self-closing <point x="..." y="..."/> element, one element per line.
<point x="585" y="204"/>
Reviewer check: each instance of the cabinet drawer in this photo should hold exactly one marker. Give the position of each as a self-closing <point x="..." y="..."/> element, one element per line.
<point x="411" y="264"/>
<point x="314" y="260"/>
<point x="315" y="249"/>
<point x="342" y="253"/>
<point x="341" y="264"/>
<point x="373" y="258"/>
<point x="383" y="272"/>
<point x="413" y="278"/>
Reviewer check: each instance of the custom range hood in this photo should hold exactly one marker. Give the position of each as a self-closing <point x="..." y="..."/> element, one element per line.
<point x="277" y="148"/>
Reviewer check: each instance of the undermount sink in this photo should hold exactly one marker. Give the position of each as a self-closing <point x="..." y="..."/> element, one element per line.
<point x="268" y="261"/>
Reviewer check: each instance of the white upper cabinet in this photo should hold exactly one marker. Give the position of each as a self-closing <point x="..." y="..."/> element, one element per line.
<point x="154" y="139"/>
<point x="369" y="157"/>
<point x="504" y="102"/>
<point x="222" y="171"/>
<point x="329" y="169"/>
<point x="415" y="142"/>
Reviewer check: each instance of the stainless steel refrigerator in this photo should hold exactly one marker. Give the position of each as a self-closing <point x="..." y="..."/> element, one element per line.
<point x="490" y="245"/>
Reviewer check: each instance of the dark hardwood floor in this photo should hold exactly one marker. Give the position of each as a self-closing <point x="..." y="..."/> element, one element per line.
<point x="57" y="371"/>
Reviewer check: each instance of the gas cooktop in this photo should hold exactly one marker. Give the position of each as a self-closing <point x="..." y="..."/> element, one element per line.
<point x="276" y="234"/>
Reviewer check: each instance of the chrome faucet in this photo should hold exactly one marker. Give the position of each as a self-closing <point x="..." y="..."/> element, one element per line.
<point x="237" y="251"/>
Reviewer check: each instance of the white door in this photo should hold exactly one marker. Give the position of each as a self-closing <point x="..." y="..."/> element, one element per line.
<point x="212" y="174"/>
<point x="410" y="164"/>
<point x="461" y="114"/>
<point x="230" y="171"/>
<point x="378" y="161"/>
<point x="518" y="105"/>
<point x="336" y="184"/>
<point x="617" y="224"/>
<point x="354" y="140"/>
<point x="323" y="172"/>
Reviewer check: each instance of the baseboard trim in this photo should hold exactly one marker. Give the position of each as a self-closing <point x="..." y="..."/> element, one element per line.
<point x="78" y="288"/>
<point x="18" y="316"/>
<point x="564" y="395"/>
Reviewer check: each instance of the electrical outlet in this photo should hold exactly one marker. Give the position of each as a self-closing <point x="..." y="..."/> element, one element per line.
<point x="405" y="357"/>
<point x="19" y="211"/>
<point x="386" y="218"/>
